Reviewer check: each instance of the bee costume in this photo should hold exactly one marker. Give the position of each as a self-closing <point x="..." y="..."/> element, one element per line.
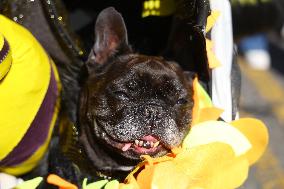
<point x="29" y="91"/>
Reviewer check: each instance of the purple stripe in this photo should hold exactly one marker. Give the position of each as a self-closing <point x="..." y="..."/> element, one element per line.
<point x="38" y="132"/>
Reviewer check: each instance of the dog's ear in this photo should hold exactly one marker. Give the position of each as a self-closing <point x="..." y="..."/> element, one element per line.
<point x="110" y="38"/>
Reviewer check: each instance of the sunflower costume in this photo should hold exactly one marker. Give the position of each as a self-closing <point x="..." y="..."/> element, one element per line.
<point x="29" y="98"/>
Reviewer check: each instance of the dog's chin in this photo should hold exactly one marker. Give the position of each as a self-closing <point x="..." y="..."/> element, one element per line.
<point x="147" y="145"/>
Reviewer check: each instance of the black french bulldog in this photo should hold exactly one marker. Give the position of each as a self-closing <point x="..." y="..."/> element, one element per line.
<point x="134" y="104"/>
<point x="130" y="105"/>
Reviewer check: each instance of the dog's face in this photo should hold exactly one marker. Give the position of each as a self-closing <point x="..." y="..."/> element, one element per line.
<point x="139" y="105"/>
<point x="131" y="104"/>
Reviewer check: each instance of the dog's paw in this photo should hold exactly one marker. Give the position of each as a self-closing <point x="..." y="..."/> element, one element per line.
<point x="8" y="181"/>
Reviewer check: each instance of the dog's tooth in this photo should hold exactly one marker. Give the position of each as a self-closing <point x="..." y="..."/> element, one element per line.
<point x="152" y="144"/>
<point x="156" y="144"/>
<point x="137" y="142"/>
<point x="141" y="143"/>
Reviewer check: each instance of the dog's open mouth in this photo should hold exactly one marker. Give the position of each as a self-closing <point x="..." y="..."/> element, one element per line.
<point x="147" y="144"/>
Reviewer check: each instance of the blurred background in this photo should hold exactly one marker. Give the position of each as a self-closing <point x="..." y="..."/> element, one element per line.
<point x="262" y="97"/>
<point x="261" y="58"/>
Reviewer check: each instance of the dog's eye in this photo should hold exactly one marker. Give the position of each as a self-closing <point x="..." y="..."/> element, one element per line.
<point x="182" y="101"/>
<point x="121" y="95"/>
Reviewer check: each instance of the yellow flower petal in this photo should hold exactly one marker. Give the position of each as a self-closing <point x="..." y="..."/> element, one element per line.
<point x="211" y="20"/>
<point x="207" y="114"/>
<point x="127" y="186"/>
<point x="217" y="131"/>
<point x="257" y="134"/>
<point x="201" y="100"/>
<point x="212" y="59"/>
<point x="199" y="167"/>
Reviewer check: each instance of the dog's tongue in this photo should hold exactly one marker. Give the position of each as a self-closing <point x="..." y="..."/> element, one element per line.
<point x="126" y="147"/>
<point x="149" y="138"/>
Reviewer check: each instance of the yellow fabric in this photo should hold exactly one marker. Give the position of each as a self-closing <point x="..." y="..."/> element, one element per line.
<point x="1" y="41"/>
<point x="30" y="163"/>
<point x="24" y="87"/>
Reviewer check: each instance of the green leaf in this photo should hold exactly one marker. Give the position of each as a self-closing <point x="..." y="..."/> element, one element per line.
<point x="95" y="185"/>
<point x="114" y="184"/>
<point x="30" y="184"/>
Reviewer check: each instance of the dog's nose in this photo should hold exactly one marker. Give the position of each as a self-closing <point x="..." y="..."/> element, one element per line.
<point x="153" y="112"/>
